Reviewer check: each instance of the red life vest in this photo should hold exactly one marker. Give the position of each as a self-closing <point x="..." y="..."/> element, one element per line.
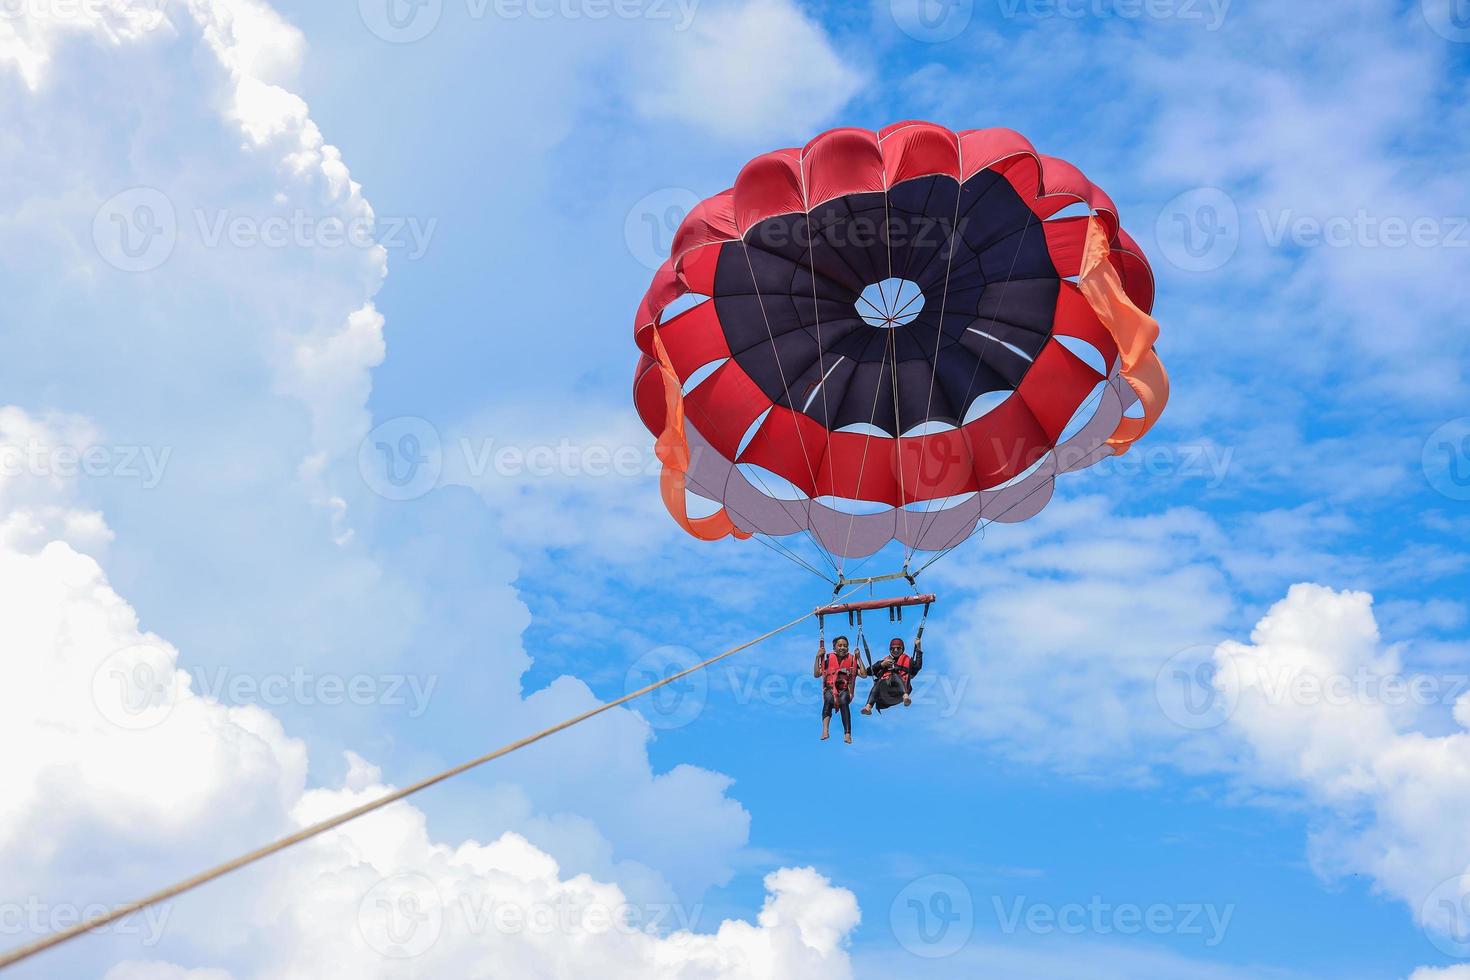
<point x="901" y="663"/>
<point x="837" y="671"/>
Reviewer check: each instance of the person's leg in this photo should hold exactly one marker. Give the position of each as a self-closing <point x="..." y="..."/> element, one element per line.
<point x="827" y="706"/>
<point x="872" y="699"/>
<point x="846" y="703"/>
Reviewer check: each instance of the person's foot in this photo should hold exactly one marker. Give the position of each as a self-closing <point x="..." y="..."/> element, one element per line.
<point x="907" y="701"/>
<point x="826" y="728"/>
<point x="847" y="737"/>
<point x="867" y="709"/>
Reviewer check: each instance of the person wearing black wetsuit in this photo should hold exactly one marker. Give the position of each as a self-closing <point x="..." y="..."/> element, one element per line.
<point x="893" y="677"/>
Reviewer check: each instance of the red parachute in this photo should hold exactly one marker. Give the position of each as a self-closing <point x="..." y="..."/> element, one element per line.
<point x="894" y="335"/>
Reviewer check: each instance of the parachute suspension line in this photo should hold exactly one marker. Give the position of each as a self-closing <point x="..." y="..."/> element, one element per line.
<point x="893" y="368"/>
<point x="772" y="543"/>
<point x="931" y="506"/>
<point x="975" y="373"/>
<point x="811" y="265"/>
<point x="766" y="539"/>
<point x="315" y="830"/>
<point x="786" y="388"/>
<point x="862" y="468"/>
<point x="898" y="446"/>
<point x="873" y="415"/>
<point x="956" y="540"/>
<point x="790" y="555"/>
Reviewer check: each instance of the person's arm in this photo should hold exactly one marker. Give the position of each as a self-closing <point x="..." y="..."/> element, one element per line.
<point x="917" y="661"/>
<point x="817" y="664"/>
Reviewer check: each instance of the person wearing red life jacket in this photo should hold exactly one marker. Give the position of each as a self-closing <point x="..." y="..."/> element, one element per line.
<point x="893" y="676"/>
<point x="839" y="671"/>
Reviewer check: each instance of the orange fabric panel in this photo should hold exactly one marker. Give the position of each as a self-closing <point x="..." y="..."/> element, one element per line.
<point x="672" y="448"/>
<point x="1134" y="330"/>
<point x="1151" y="382"/>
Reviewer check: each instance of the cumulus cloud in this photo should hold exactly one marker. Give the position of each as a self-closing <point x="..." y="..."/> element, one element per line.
<point x="27" y="42"/>
<point x="131" y="766"/>
<point x="1073" y="618"/>
<point x="383" y="891"/>
<point x="129" y="753"/>
<point x="1327" y="711"/>
<point x="40" y="459"/>
<point x="503" y="908"/>
<point x="1459" y="972"/>
<point x="127" y="763"/>
<point x="247" y="365"/>
<point x="753" y="69"/>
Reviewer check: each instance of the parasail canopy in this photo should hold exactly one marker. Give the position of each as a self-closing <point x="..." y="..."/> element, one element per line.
<point x="894" y="335"/>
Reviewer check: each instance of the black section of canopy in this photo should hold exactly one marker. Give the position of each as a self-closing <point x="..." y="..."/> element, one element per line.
<point x="989" y="289"/>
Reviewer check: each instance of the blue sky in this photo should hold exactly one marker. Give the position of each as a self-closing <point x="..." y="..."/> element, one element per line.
<point x="1296" y="174"/>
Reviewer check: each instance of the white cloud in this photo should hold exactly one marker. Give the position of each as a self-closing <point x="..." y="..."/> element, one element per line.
<point x="753" y="69"/>
<point x="153" y="970"/>
<point x="1072" y="619"/>
<point x="250" y="365"/>
<point x="121" y="753"/>
<point x="125" y="763"/>
<point x="503" y="909"/>
<point x="1460" y="972"/>
<point x="39" y="459"/>
<point x="31" y="31"/>
<point x="1392" y="797"/>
